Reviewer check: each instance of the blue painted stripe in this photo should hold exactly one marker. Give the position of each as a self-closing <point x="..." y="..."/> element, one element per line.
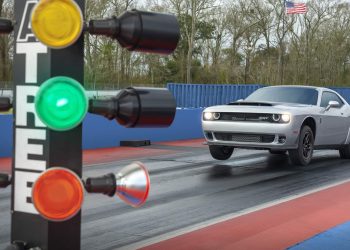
<point x="337" y="238"/>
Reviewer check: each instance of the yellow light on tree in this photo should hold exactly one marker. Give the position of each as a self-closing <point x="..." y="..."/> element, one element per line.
<point x="57" y="23"/>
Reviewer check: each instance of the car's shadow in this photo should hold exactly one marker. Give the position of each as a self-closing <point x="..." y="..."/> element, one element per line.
<point x="274" y="163"/>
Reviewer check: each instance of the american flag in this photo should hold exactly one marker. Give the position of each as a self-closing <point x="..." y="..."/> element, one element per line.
<point x="295" y="8"/>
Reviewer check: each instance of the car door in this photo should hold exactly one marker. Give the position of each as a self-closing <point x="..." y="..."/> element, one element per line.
<point x="334" y="123"/>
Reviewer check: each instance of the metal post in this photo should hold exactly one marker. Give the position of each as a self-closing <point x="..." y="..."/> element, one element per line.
<point x="37" y="148"/>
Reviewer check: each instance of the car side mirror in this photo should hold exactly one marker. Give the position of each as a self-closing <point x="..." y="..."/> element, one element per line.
<point x="332" y="104"/>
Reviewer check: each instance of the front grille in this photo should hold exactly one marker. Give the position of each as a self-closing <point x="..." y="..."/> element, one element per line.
<point x="237" y="137"/>
<point x="249" y="117"/>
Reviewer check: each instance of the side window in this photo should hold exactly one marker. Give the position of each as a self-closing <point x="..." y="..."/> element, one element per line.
<point x="329" y="96"/>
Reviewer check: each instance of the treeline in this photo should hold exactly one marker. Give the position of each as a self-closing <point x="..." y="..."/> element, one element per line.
<point x="227" y="41"/>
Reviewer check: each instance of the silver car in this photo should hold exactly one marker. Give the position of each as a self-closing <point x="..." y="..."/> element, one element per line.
<point x="297" y="119"/>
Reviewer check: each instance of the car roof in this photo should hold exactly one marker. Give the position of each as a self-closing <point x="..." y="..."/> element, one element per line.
<point x="302" y="86"/>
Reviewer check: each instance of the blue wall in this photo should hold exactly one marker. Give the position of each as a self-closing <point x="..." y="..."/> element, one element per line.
<point x="6" y="135"/>
<point x="344" y="92"/>
<point x="99" y="132"/>
<point x="205" y="95"/>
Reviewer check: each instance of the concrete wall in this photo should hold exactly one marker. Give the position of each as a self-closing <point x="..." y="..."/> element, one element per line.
<point x="99" y="132"/>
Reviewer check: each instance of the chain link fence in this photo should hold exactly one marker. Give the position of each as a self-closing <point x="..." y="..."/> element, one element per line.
<point x="118" y="86"/>
<point x="93" y="90"/>
<point x="8" y="85"/>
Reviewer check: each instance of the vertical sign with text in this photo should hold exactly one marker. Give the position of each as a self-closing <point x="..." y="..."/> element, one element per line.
<point x="36" y="147"/>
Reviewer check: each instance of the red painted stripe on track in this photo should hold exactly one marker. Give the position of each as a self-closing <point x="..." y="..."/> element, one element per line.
<point x="197" y="143"/>
<point x="5" y="165"/>
<point x="276" y="227"/>
<point x="105" y="155"/>
<point x="100" y="156"/>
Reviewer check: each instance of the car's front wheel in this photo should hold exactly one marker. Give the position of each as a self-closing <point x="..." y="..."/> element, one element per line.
<point x="303" y="154"/>
<point x="220" y="152"/>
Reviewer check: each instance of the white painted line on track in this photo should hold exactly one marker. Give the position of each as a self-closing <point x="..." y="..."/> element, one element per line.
<point x="210" y="222"/>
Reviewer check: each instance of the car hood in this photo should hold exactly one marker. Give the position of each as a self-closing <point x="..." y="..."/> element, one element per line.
<point x="260" y="107"/>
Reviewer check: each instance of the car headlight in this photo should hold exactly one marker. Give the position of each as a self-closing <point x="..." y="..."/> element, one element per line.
<point x="281" y="118"/>
<point x="216" y="116"/>
<point x="210" y="116"/>
<point x="276" y="117"/>
<point x="285" y="118"/>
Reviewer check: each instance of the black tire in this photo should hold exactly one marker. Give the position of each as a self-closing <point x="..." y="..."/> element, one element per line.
<point x="277" y="152"/>
<point x="220" y="152"/>
<point x="345" y="152"/>
<point x="303" y="154"/>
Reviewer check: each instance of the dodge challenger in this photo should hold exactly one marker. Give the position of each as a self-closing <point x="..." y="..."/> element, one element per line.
<point x="293" y="119"/>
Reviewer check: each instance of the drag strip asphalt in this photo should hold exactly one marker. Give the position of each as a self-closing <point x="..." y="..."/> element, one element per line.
<point x="188" y="187"/>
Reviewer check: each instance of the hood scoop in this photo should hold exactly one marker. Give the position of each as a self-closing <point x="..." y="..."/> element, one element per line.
<point x="261" y="104"/>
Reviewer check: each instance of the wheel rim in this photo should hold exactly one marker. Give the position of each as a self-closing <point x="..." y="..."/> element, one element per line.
<point x="307" y="145"/>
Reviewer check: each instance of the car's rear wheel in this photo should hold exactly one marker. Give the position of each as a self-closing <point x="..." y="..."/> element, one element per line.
<point x="220" y="152"/>
<point x="303" y="154"/>
<point x="345" y="152"/>
<point x="277" y="152"/>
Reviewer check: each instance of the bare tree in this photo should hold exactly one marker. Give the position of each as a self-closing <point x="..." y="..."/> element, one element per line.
<point x="191" y="12"/>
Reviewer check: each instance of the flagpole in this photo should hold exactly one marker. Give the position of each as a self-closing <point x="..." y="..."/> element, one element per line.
<point x="282" y="42"/>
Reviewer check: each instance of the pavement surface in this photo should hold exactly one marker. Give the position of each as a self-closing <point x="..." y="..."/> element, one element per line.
<point x="280" y="225"/>
<point x="188" y="187"/>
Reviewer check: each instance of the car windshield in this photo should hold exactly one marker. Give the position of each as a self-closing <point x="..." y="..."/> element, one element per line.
<point x="297" y="95"/>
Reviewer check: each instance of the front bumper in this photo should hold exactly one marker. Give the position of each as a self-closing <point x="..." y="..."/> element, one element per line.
<point x="251" y="134"/>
